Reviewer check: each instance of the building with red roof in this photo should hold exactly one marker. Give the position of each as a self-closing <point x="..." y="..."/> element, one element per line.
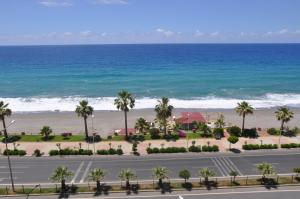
<point x="187" y="118"/>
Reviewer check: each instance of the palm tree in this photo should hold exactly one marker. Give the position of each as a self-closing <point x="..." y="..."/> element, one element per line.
<point x="60" y="174"/>
<point x="220" y="122"/>
<point x="244" y="109"/>
<point x="4" y="112"/>
<point x="97" y="175"/>
<point x="163" y="112"/>
<point x="284" y="115"/>
<point x="84" y="110"/>
<point x="160" y="173"/>
<point x="265" y="169"/>
<point x="233" y="174"/>
<point x="124" y="102"/>
<point x="200" y="126"/>
<point x="46" y="131"/>
<point x="206" y="173"/>
<point x="127" y="175"/>
<point x="142" y="125"/>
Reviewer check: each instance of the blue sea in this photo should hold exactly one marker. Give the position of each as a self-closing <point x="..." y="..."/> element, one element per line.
<point x="47" y="78"/>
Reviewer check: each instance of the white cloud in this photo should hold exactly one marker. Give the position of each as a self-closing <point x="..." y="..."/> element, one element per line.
<point x="104" y="34"/>
<point x="283" y="31"/>
<point x="214" y="34"/>
<point x="110" y="2"/>
<point x="56" y="3"/>
<point x="199" y="33"/>
<point x="67" y="34"/>
<point x="167" y="33"/>
<point x="297" y="31"/>
<point x="86" y="33"/>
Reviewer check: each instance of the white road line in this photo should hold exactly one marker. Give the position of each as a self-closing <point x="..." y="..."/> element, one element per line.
<point x="234" y="166"/>
<point x="222" y="166"/>
<point x="86" y="171"/>
<point x="215" y="162"/>
<point x="180" y="197"/>
<point x="13" y="172"/>
<point x="77" y="172"/>
<point x="225" y="166"/>
<point x="204" y="194"/>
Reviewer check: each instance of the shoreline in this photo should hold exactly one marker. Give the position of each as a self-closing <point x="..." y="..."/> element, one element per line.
<point x="105" y="122"/>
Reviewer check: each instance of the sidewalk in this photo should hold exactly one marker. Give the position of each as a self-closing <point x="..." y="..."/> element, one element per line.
<point x="223" y="144"/>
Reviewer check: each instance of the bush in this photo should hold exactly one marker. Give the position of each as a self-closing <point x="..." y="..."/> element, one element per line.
<point x="273" y="131"/>
<point x="290" y="146"/>
<point x="14" y="152"/>
<point x="37" y="153"/>
<point x="110" y="151"/>
<point x="234" y="130"/>
<point x="258" y="147"/>
<point x="68" y="151"/>
<point x="251" y="133"/>
<point x="182" y="134"/>
<point x="166" y="150"/>
<point x="218" y="133"/>
<point x="233" y="139"/>
<point x="96" y="138"/>
<point x="289" y="133"/>
<point x="154" y="132"/>
<point x="196" y="149"/>
<point x="12" y="138"/>
<point x="172" y="136"/>
<point x="213" y="148"/>
<point x="137" y="138"/>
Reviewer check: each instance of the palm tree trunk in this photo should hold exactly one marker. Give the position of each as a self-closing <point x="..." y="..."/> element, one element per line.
<point x="243" y="126"/>
<point x="98" y="185"/>
<point x="86" y="129"/>
<point x="126" y="130"/>
<point x="63" y="185"/>
<point x="281" y="127"/>
<point x="127" y="184"/>
<point x="4" y="127"/>
<point x="160" y="182"/>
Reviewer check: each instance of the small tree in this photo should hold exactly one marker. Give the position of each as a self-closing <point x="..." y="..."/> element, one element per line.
<point x="232" y="140"/>
<point x="265" y="169"/>
<point x="127" y="175"/>
<point x="220" y="122"/>
<point x="160" y="173"/>
<point x="46" y="131"/>
<point x="142" y="126"/>
<point x="206" y="173"/>
<point x="233" y="174"/>
<point x="97" y="175"/>
<point x="184" y="174"/>
<point x="297" y="171"/>
<point x="60" y="174"/>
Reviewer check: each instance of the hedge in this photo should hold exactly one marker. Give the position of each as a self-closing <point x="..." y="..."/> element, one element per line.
<point x="14" y="152"/>
<point x="213" y="148"/>
<point x="258" y="146"/>
<point x="290" y="146"/>
<point x="195" y="149"/>
<point x="166" y="150"/>
<point x="110" y="152"/>
<point x="68" y="151"/>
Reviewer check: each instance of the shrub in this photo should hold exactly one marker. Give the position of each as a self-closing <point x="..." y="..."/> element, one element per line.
<point x="233" y="139"/>
<point x="252" y="133"/>
<point x="68" y="151"/>
<point x="137" y="138"/>
<point x="172" y="136"/>
<point x="273" y="131"/>
<point x="218" y="133"/>
<point x="166" y="150"/>
<point x="195" y="149"/>
<point x="154" y="132"/>
<point x="14" y="152"/>
<point x="11" y="138"/>
<point x="234" y="130"/>
<point x="290" y="146"/>
<point x="37" y="153"/>
<point x="258" y="147"/>
<point x="182" y="134"/>
<point x="290" y="133"/>
<point x="110" y="151"/>
<point x="213" y="148"/>
<point x="96" y="138"/>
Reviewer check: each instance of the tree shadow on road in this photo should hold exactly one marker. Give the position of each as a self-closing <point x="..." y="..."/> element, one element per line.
<point x="103" y="190"/>
<point x="269" y="183"/>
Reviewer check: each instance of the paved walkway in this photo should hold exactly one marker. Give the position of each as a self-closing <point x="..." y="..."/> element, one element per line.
<point x="127" y="147"/>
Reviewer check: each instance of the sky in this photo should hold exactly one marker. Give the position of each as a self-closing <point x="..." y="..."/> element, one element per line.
<point x="38" y="22"/>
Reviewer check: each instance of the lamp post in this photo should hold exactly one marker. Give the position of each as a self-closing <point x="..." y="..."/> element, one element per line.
<point x="7" y="153"/>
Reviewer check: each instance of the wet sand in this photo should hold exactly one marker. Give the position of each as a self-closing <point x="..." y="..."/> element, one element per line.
<point x="105" y="122"/>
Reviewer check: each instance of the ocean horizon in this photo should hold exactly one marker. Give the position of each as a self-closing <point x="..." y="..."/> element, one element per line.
<point x="48" y="78"/>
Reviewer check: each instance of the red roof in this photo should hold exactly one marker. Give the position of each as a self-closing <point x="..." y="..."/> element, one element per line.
<point x="190" y="117"/>
<point x="129" y="130"/>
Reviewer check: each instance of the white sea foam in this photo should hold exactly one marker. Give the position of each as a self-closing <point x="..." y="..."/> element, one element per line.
<point x="36" y="104"/>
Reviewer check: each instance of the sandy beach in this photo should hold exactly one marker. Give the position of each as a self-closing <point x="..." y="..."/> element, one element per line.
<point x="105" y="122"/>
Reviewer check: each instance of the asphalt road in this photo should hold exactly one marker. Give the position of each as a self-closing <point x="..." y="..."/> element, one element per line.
<point x="37" y="170"/>
<point x="239" y="193"/>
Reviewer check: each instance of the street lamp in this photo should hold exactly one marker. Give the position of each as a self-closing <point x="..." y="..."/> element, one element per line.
<point x="7" y="154"/>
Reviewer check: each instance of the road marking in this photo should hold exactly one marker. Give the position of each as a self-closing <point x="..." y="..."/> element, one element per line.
<point x="16" y="167"/>
<point x="214" y="160"/>
<point x="86" y="171"/>
<point x="77" y="172"/>
<point x="13" y="172"/>
<point x="234" y="166"/>
<point x="180" y="197"/>
<point x="204" y="194"/>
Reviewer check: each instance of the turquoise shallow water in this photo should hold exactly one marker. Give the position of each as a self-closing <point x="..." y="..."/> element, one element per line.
<point x="192" y="75"/>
